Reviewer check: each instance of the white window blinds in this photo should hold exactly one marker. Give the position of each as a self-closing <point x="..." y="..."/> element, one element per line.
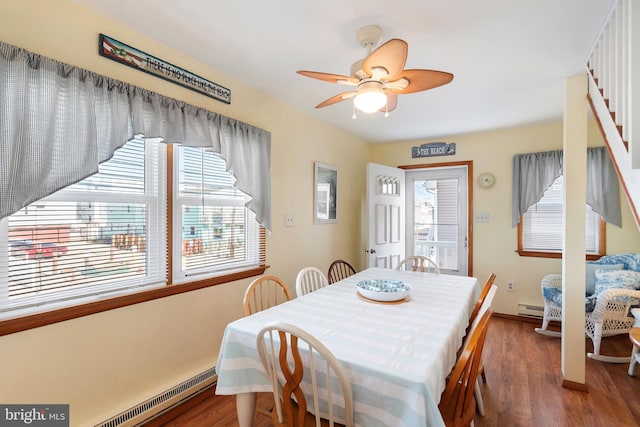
<point x="99" y="236"/>
<point x="214" y="233"/>
<point x="542" y="227"/>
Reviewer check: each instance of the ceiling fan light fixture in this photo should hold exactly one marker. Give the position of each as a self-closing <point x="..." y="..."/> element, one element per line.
<point x="370" y="97"/>
<point x="380" y="76"/>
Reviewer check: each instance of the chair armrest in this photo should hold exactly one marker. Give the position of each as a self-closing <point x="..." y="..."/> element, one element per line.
<point x="615" y="302"/>
<point x="552" y="281"/>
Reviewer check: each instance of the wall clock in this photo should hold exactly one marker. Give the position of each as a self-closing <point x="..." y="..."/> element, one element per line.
<point x="486" y="180"/>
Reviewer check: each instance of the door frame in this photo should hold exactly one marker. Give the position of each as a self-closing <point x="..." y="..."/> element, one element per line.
<point x="469" y="165"/>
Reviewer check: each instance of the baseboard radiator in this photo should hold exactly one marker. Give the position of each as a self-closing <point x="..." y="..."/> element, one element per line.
<point x="530" y="310"/>
<point x="163" y="401"/>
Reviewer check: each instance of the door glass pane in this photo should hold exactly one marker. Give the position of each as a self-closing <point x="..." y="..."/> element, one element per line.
<point x="435" y="227"/>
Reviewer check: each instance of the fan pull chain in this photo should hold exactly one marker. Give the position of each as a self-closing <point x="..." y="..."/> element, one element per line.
<point x="353" y="106"/>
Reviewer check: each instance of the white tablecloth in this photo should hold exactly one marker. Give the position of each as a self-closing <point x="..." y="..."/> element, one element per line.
<point x="397" y="356"/>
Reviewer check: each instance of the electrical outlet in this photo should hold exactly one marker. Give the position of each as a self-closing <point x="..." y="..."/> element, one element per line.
<point x="288" y="221"/>
<point x="511" y="286"/>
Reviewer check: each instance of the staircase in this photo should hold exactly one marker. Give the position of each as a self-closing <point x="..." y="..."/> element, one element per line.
<point x="614" y="94"/>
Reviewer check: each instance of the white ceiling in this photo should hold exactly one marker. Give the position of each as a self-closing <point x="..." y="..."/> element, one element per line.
<point x="510" y="58"/>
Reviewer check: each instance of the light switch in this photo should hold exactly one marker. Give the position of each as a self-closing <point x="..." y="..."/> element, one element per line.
<point x="482" y="217"/>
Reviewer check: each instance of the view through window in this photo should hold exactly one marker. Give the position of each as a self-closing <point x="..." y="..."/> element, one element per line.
<point x="542" y="224"/>
<point x="108" y="233"/>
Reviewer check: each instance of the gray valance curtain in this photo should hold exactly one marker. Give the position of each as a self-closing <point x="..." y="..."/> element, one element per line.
<point x="59" y="122"/>
<point x="533" y="173"/>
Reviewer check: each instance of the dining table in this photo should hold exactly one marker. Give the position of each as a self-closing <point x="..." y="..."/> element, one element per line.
<point x="397" y="354"/>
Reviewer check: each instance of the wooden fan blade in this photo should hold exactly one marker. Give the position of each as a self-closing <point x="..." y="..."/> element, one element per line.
<point x="392" y="102"/>
<point x="391" y="56"/>
<point x="327" y="77"/>
<point x="337" y="98"/>
<point x="419" y="80"/>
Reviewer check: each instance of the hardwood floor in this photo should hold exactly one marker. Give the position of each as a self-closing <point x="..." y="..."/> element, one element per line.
<point x="524" y="382"/>
<point x="524" y="387"/>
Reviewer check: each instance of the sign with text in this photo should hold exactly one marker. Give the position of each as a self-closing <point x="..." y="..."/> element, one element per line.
<point x="34" y="415"/>
<point x="127" y="55"/>
<point x="434" y="149"/>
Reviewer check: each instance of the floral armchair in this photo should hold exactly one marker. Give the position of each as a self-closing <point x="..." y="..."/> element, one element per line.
<point x="612" y="289"/>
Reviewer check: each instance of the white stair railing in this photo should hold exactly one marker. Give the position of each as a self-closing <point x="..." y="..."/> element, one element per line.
<point x="614" y="92"/>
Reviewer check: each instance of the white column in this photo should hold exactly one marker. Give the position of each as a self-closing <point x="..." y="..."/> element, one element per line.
<point x="573" y="251"/>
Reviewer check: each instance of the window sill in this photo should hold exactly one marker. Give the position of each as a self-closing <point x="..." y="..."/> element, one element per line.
<point x="32" y="321"/>
<point x="588" y="257"/>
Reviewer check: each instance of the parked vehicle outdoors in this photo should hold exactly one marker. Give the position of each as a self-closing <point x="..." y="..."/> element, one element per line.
<point x="36" y="250"/>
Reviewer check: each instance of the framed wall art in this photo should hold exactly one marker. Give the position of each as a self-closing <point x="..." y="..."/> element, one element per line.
<point x="325" y="194"/>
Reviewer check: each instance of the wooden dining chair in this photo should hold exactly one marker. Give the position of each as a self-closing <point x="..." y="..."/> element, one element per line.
<point x="487" y="302"/>
<point x="340" y="269"/>
<point x="483" y="296"/>
<point x="264" y="292"/>
<point x="310" y="279"/>
<point x="457" y="403"/>
<point x="483" y="304"/>
<point x="418" y="263"/>
<point x="292" y="356"/>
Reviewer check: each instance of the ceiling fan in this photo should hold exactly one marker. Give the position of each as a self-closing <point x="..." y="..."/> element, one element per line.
<point x="380" y="77"/>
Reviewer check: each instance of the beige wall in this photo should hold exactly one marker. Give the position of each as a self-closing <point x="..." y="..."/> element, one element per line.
<point x="495" y="242"/>
<point x="107" y="362"/>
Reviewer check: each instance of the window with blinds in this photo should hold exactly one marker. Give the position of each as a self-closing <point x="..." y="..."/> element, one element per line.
<point x="542" y="225"/>
<point x="103" y="235"/>
<point x="108" y="234"/>
<point x="217" y="234"/>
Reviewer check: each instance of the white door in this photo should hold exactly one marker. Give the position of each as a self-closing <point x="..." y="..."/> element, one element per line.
<point x="385" y="216"/>
<point x="437" y="216"/>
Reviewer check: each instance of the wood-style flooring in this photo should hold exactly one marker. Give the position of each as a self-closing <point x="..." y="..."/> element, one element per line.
<point x="524" y="387"/>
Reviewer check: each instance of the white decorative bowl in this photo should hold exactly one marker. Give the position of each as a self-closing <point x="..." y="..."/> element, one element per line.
<point x="383" y="290"/>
